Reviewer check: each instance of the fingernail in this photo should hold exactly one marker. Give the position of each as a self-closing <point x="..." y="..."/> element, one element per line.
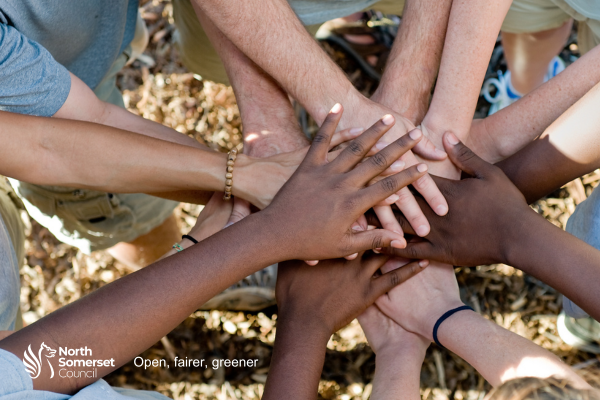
<point x="392" y="199"/>
<point x="398" y="244"/>
<point x="377" y="251"/>
<point x="356" y="131"/>
<point x="421" y="167"/>
<point x="398" y="165"/>
<point x="441" y="153"/>
<point x="371" y="227"/>
<point x="336" y="108"/>
<point x="357" y="228"/>
<point x="415" y="134"/>
<point x="441" y="210"/>
<point x="228" y="224"/>
<point x="423" y="263"/>
<point x="380" y="146"/>
<point x="387" y="119"/>
<point x="422" y="230"/>
<point x="452" y="140"/>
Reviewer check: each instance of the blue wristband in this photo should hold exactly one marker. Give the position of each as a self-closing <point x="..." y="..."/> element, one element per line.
<point x="444" y="317"/>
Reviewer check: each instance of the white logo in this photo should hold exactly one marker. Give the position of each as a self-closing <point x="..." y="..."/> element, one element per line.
<point x="33" y="363"/>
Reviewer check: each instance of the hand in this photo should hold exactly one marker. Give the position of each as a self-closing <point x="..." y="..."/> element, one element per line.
<point x="418" y="304"/>
<point x="260" y="179"/>
<point x="384" y="335"/>
<point x="340" y="290"/>
<point x="213" y="217"/>
<point x="488" y="212"/>
<point x="334" y="194"/>
<point x="365" y="112"/>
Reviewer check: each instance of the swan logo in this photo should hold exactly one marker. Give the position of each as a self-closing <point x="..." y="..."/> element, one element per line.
<point x="33" y="364"/>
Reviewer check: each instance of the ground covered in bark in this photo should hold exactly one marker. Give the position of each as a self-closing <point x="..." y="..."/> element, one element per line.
<point x="161" y="89"/>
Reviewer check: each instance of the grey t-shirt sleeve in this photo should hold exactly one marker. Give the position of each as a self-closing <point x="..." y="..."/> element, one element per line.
<point x="31" y="80"/>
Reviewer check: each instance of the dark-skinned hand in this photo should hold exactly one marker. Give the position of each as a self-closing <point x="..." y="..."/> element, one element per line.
<point x="331" y="294"/>
<point x="486" y="211"/>
<point x="323" y="199"/>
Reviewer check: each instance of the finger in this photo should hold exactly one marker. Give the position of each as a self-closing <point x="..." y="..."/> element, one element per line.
<point x="415" y="251"/>
<point x="426" y="149"/>
<point x="351" y="257"/>
<point x="358" y="148"/>
<point x="394" y="263"/>
<point x="386" y="157"/>
<point x="373" y="263"/>
<point x="317" y="154"/>
<point x="241" y="209"/>
<point x="344" y="136"/>
<point x="372" y="195"/>
<point x="464" y="158"/>
<point x="428" y="189"/>
<point x="386" y="282"/>
<point x="388" y="220"/>
<point x="374" y="239"/>
<point x="412" y="212"/>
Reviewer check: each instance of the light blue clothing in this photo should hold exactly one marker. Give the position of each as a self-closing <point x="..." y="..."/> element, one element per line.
<point x="585" y="225"/>
<point x="16" y="384"/>
<point x="10" y="283"/>
<point x="85" y="37"/>
<point x="31" y="81"/>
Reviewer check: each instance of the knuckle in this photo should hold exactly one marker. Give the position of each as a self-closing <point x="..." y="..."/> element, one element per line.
<point x="412" y="252"/>
<point x="395" y="277"/>
<point x="356" y="148"/>
<point x="465" y="154"/>
<point x="379" y="160"/>
<point x="389" y="184"/>
<point x="422" y="183"/>
<point x="377" y="242"/>
<point x="321" y="138"/>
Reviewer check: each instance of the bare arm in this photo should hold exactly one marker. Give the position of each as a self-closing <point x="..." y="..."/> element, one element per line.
<point x="52" y="151"/>
<point x="414" y="61"/>
<point x="570" y="148"/>
<point x="472" y="31"/>
<point x="270" y="125"/>
<point x="504" y="133"/>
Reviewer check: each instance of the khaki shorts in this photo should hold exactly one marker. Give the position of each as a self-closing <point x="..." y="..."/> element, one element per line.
<point x="10" y="210"/>
<point x="528" y="16"/>
<point x="88" y="219"/>
<point x="200" y="57"/>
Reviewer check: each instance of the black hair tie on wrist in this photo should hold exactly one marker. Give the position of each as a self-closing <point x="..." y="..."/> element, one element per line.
<point x="444" y="317"/>
<point x="191" y="239"/>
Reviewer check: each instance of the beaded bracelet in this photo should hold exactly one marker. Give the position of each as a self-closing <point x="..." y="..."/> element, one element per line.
<point x="178" y="247"/>
<point x="231" y="156"/>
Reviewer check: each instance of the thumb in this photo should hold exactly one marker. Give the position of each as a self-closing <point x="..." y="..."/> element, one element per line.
<point x="241" y="209"/>
<point x="464" y="158"/>
<point x="375" y="239"/>
<point x="426" y="149"/>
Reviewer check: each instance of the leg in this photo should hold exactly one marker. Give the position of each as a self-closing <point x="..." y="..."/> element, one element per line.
<point x="528" y="54"/>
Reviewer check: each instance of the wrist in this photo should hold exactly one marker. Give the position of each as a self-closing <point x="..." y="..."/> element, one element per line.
<point x="352" y="101"/>
<point x="426" y="329"/>
<point x="521" y="229"/>
<point x="295" y="319"/>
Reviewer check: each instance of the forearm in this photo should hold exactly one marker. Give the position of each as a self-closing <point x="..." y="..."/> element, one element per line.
<point x="472" y="31"/>
<point x="83" y="105"/>
<point x="512" y="128"/>
<point x="264" y="106"/>
<point x="297" y="361"/>
<point x="557" y="258"/>
<point x="52" y="152"/>
<point x="398" y="373"/>
<point x="124" y="318"/>
<point x="498" y="354"/>
<point x="557" y="151"/>
<point x="288" y="54"/>
<point x="414" y="61"/>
